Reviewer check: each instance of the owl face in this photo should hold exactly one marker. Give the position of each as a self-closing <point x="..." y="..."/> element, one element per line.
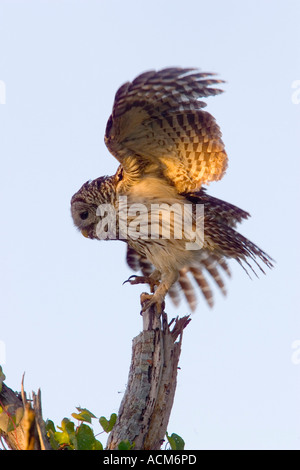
<point x="84" y="217"/>
<point x="85" y="202"/>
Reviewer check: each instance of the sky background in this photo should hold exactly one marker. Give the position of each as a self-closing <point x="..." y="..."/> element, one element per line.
<point x="66" y="319"/>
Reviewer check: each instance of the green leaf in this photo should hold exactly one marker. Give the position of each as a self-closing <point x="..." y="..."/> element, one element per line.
<point x="125" y="445"/>
<point x="54" y="443"/>
<point x="49" y="425"/>
<point x="108" y="425"/>
<point x="176" y="442"/>
<point x="7" y="419"/>
<point x="86" y="439"/>
<point x="83" y="415"/>
<point x="50" y="428"/>
<point x="97" y="445"/>
<point x="67" y="436"/>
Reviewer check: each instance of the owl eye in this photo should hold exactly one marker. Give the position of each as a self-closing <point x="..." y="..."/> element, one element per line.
<point x="84" y="215"/>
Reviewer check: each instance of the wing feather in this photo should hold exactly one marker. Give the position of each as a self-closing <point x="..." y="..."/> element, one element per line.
<point x="158" y="127"/>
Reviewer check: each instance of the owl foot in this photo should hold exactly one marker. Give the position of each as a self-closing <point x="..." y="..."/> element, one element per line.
<point x="143" y="280"/>
<point x="151" y="300"/>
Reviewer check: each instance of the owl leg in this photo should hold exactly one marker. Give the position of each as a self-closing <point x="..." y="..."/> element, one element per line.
<point x="158" y="298"/>
<point x="152" y="280"/>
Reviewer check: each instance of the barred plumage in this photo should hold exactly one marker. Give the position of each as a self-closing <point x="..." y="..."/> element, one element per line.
<point x="167" y="147"/>
<point x="158" y="125"/>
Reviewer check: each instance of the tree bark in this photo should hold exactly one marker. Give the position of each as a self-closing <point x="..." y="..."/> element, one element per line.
<point x="21" y="423"/>
<point x="147" y="403"/>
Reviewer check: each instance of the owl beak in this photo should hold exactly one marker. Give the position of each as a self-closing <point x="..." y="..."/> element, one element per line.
<point x="85" y="233"/>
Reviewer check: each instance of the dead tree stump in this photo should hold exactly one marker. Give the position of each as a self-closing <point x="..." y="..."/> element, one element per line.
<point x="147" y="403"/>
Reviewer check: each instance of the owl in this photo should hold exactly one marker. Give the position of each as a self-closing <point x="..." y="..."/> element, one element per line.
<point x="168" y="148"/>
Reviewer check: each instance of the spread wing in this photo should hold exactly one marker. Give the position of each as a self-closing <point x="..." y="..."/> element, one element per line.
<point x="158" y="127"/>
<point x="188" y="277"/>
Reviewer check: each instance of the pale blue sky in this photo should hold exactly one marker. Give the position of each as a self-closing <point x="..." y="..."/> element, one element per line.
<point x="66" y="319"/>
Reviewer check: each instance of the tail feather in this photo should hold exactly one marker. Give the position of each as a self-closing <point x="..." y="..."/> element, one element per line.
<point x="203" y="284"/>
<point x="188" y="289"/>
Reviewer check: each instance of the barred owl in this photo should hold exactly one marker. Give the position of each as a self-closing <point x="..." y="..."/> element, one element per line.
<point x="168" y="147"/>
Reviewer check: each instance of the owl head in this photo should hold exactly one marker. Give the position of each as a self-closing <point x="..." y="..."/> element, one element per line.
<point x="85" y="204"/>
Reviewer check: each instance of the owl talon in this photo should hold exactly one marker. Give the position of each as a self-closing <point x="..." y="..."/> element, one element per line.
<point x="142" y="280"/>
<point x="150" y="301"/>
<point x="132" y="279"/>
